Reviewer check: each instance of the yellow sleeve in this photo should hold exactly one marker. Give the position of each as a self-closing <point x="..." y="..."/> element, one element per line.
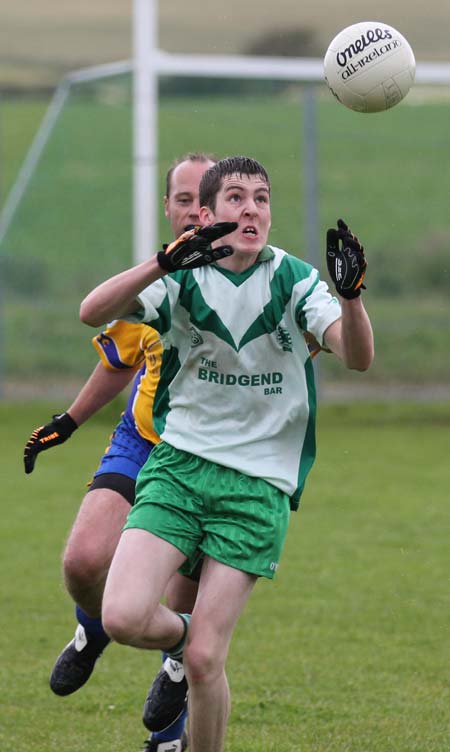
<point x="122" y="344"/>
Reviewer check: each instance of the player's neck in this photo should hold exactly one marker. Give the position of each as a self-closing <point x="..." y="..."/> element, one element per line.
<point x="238" y="262"/>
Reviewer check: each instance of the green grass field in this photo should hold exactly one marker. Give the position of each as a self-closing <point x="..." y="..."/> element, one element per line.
<point x="382" y="173"/>
<point x="346" y="651"/>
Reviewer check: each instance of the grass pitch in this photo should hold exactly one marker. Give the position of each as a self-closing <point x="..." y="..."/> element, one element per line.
<point x="346" y="651"/>
<point x="379" y="173"/>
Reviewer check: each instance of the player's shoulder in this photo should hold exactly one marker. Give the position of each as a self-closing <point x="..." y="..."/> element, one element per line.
<point x="127" y="337"/>
<point x="124" y="329"/>
<point x="289" y="265"/>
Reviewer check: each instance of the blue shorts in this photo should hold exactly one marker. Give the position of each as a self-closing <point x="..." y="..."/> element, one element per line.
<point x="126" y="453"/>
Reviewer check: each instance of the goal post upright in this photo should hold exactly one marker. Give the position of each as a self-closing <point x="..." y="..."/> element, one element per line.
<point x="145" y="129"/>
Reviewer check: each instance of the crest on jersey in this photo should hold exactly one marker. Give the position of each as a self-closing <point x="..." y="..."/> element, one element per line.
<point x="196" y="337"/>
<point x="284" y="338"/>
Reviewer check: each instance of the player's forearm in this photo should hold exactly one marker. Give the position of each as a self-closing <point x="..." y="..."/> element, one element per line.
<point x="117" y="296"/>
<point x="101" y="387"/>
<point x="356" y="335"/>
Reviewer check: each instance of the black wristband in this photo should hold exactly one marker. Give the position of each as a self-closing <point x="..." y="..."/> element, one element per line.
<point x="66" y="423"/>
<point x="350" y="294"/>
<point x="164" y="261"/>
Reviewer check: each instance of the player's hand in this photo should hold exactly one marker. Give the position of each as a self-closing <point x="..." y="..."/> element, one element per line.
<point x="60" y="428"/>
<point x="346" y="261"/>
<point x="193" y="248"/>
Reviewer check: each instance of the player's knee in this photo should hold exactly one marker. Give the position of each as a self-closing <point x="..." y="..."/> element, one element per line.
<point x="202" y="661"/>
<point x="125" y="619"/>
<point x="84" y="566"/>
<point x="117" y="623"/>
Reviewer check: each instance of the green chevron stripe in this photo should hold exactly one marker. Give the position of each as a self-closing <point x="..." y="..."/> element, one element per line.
<point x="309" y="445"/>
<point x="163" y="323"/>
<point x="281" y="288"/>
<point x="170" y="365"/>
<point x="281" y="285"/>
<point x="201" y="315"/>
<point x="299" y="313"/>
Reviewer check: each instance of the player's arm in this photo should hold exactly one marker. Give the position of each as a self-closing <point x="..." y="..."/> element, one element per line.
<point x="101" y="387"/>
<point x="117" y="297"/>
<point x="351" y="336"/>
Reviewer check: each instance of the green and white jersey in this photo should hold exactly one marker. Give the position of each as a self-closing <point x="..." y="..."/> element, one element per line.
<point x="237" y="383"/>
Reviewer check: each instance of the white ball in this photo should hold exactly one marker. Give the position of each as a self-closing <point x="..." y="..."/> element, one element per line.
<point x="369" y="66"/>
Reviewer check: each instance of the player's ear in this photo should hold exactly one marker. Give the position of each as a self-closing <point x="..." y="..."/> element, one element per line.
<point x="166" y="207"/>
<point x="206" y="216"/>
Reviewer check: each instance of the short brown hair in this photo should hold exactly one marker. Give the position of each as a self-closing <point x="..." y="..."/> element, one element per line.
<point x="191" y="156"/>
<point x="211" y="181"/>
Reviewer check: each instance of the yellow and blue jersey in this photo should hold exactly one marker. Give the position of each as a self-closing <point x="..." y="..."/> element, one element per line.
<point x="137" y="346"/>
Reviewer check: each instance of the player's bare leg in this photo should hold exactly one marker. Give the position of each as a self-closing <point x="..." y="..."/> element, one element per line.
<point x="91" y="545"/>
<point x="86" y="561"/>
<point x="140" y="571"/>
<point x="181" y="593"/>
<point x="223" y="593"/>
<point x="165" y="707"/>
<point x="132" y="614"/>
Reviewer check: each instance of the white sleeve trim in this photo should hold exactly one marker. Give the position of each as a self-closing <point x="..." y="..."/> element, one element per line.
<point x="151" y="298"/>
<point x="321" y="309"/>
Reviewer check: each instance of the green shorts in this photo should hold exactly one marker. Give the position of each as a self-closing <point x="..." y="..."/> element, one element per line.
<point x="199" y="506"/>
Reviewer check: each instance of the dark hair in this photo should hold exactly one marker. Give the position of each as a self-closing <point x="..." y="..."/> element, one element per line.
<point x="211" y="181"/>
<point x="192" y="156"/>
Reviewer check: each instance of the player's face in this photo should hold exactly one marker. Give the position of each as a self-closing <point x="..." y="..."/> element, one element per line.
<point x="243" y="199"/>
<point x="181" y="206"/>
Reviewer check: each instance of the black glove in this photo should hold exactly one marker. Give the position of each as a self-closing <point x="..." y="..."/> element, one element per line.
<point x="346" y="261"/>
<point x="54" y="433"/>
<point x="193" y="248"/>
